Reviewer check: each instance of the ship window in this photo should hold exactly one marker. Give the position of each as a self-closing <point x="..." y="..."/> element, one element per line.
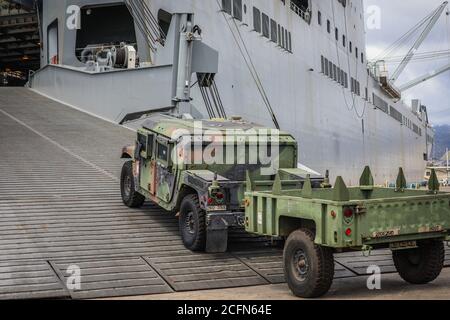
<point x="112" y="24"/>
<point x="226" y="6"/>
<point x="322" y="64"/>
<point x="319" y="18"/>
<point x="265" y="25"/>
<point x="290" y="42"/>
<point x="164" y="20"/>
<point x="350" y="47"/>
<point x="334" y="72"/>
<point x="279" y="36"/>
<point x="346" y="80"/>
<point x="362" y="57"/>
<point x="282" y="38"/>
<point x="394" y="113"/>
<point x="326" y="66"/>
<point x="380" y="103"/>
<point x="328" y="26"/>
<point x="336" y="34"/>
<point x="286" y="39"/>
<point x="356" y="52"/>
<point x="273" y="31"/>
<point x="330" y="68"/>
<point x="237" y="9"/>
<point x="256" y="19"/>
<point x="344" y="41"/>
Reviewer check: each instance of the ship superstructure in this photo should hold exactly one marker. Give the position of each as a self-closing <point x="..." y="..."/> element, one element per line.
<point x="294" y="64"/>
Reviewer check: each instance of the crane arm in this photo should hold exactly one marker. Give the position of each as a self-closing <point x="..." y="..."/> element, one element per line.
<point x="424" y="78"/>
<point x="419" y="42"/>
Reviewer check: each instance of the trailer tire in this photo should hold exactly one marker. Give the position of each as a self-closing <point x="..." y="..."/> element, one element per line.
<point x="308" y="267"/>
<point x="192" y="223"/>
<point x="421" y="265"/>
<point x="130" y="197"/>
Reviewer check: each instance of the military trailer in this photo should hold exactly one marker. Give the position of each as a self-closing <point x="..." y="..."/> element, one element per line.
<point x="169" y="165"/>
<point x="318" y="222"/>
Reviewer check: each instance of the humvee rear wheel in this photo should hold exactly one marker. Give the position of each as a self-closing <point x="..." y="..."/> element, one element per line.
<point x="192" y="223"/>
<point x="130" y="197"/>
<point x="308" y="268"/>
<point x="421" y="265"/>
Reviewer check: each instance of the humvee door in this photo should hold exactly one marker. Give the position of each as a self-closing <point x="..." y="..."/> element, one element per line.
<point x="157" y="177"/>
<point x="162" y="170"/>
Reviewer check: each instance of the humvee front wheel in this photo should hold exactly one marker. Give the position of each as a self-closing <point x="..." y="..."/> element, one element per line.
<point x="130" y="197"/>
<point x="308" y="268"/>
<point x="192" y="223"/>
<point x="421" y="265"/>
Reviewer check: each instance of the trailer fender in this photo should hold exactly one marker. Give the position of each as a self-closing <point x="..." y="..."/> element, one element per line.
<point x="287" y="225"/>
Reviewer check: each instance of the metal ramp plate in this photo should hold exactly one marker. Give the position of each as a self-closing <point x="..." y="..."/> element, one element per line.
<point x="29" y="280"/>
<point x="188" y="272"/>
<point x="113" y="278"/>
<point x="358" y="263"/>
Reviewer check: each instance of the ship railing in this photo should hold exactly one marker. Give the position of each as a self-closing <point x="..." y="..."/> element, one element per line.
<point x="302" y="13"/>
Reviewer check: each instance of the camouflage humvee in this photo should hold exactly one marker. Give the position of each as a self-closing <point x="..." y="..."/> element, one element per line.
<point x="179" y="165"/>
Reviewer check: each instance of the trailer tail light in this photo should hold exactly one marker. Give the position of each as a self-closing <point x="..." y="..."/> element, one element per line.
<point x="348" y="232"/>
<point x="348" y="213"/>
<point x="220" y="197"/>
<point x="210" y="201"/>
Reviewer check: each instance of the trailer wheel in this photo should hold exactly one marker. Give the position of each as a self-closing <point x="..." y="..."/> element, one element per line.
<point x="130" y="197"/>
<point x="192" y="223"/>
<point x="421" y="265"/>
<point x="308" y="268"/>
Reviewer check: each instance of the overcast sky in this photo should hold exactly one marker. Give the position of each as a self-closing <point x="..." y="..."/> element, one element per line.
<point x="398" y="17"/>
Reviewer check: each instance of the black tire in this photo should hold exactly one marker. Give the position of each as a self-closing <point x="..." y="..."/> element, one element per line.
<point x="421" y="265"/>
<point x="308" y="268"/>
<point x="130" y="197"/>
<point x="192" y="223"/>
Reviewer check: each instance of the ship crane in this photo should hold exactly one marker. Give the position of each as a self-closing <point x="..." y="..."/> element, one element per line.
<point x="434" y="18"/>
<point x="427" y="76"/>
<point x="424" y="78"/>
<point x="388" y="83"/>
